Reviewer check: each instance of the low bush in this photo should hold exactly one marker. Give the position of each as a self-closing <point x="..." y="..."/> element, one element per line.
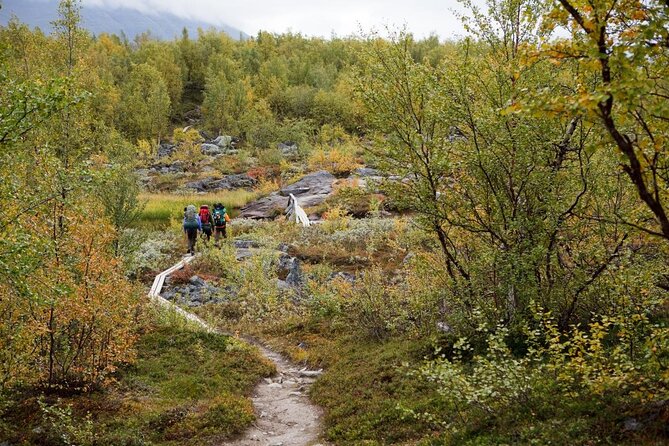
<point x="340" y="161"/>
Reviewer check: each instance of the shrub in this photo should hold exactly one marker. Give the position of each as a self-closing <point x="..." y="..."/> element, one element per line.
<point x="355" y="199"/>
<point x="339" y="161"/>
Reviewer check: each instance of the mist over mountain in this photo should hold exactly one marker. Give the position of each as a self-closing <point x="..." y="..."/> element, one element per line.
<point x="97" y="19"/>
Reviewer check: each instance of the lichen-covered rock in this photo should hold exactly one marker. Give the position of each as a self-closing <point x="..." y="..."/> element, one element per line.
<point x="311" y="190"/>
<point x="228" y="182"/>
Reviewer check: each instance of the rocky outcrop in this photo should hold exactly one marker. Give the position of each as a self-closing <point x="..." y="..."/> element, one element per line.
<point x="228" y="182"/>
<point x="311" y="190"/>
<point x="166" y="149"/>
<point x="221" y="145"/>
<point x="196" y="292"/>
<point x="164" y="168"/>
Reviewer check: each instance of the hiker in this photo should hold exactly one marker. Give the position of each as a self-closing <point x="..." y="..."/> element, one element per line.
<point x="207" y="221"/>
<point x="220" y="217"/>
<point x="191" y="225"/>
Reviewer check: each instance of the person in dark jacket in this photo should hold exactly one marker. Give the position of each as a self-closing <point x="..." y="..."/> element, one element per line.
<point x="191" y="225"/>
<point x="221" y="218"/>
<point x="207" y="221"/>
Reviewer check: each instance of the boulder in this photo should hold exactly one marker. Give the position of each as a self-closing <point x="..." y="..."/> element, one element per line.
<point x="211" y="149"/>
<point x="228" y="182"/>
<point x="311" y="190"/>
<point x="243" y="254"/>
<point x="166" y="149"/>
<point x="164" y="168"/>
<point x="224" y="141"/>
<point x="367" y="172"/>
<point x="195" y="293"/>
<point x="245" y="244"/>
<point x="221" y="145"/>
<point x="197" y="281"/>
<point x="264" y="208"/>
<point x="294" y="277"/>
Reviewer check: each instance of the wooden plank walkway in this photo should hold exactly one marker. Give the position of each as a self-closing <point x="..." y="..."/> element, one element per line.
<point x="159" y="281"/>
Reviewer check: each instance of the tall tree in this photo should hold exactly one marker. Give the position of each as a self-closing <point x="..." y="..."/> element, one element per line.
<point x="624" y="46"/>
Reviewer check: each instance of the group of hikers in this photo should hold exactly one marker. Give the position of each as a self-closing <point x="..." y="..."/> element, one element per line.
<point x="206" y="222"/>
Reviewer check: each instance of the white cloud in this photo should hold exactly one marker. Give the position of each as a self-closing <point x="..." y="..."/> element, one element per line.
<point x="313" y="18"/>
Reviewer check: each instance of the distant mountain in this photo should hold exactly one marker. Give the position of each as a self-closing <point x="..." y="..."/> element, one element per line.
<point x="162" y="25"/>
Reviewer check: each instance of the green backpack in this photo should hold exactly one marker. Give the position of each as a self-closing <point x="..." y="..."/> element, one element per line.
<point x="219" y="217"/>
<point x="190" y="218"/>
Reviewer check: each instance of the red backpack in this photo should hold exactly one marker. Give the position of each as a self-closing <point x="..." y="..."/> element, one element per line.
<point x="204" y="216"/>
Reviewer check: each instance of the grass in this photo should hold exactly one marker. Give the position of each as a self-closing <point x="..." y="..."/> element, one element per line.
<point x="161" y="208"/>
<point x="365" y="388"/>
<point x="187" y="387"/>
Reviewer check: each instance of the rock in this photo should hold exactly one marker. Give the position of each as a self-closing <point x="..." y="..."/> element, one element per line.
<point x="310" y="373"/>
<point x="224" y="142"/>
<point x="175" y="167"/>
<point x="631" y="424"/>
<point x="294" y="277"/>
<point x="198" y="282"/>
<point x="311" y="190"/>
<point x="166" y="149"/>
<point x="211" y="149"/>
<point x="317" y="183"/>
<point x="367" y="172"/>
<point x="195" y="293"/>
<point x="283" y="247"/>
<point x="288" y="148"/>
<point x="443" y="327"/>
<point x="282" y="285"/>
<point x="228" y="182"/>
<point x="243" y="253"/>
<point x="275" y="386"/>
<point x="267" y="207"/>
<point x="285" y="265"/>
<point x="245" y="244"/>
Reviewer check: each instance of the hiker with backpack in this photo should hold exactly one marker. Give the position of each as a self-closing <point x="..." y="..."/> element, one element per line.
<point x="191" y="225"/>
<point x="207" y="220"/>
<point x="220" y="217"/>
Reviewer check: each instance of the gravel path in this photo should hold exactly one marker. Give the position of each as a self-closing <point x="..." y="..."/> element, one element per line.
<point x="285" y="416"/>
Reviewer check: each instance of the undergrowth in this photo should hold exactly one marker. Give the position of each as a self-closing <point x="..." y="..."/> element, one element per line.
<point x="187" y="387"/>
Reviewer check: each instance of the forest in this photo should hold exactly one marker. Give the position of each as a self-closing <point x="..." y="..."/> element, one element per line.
<point x="489" y="262"/>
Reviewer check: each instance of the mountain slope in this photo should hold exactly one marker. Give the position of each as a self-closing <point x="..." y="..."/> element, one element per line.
<point x="162" y="25"/>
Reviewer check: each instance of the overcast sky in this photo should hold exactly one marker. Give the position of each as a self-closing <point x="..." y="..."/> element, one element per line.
<point x="311" y="17"/>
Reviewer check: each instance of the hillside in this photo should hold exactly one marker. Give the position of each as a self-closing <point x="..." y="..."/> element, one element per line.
<point x="482" y="254"/>
<point x="98" y="19"/>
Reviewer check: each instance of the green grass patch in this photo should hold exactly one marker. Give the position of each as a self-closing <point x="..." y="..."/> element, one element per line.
<point x="161" y="208"/>
<point x="187" y="387"/>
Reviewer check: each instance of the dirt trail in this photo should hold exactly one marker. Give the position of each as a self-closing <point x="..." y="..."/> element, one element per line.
<point x="285" y="416"/>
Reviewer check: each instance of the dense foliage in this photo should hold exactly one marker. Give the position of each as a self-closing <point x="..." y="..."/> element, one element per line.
<point x="526" y="165"/>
